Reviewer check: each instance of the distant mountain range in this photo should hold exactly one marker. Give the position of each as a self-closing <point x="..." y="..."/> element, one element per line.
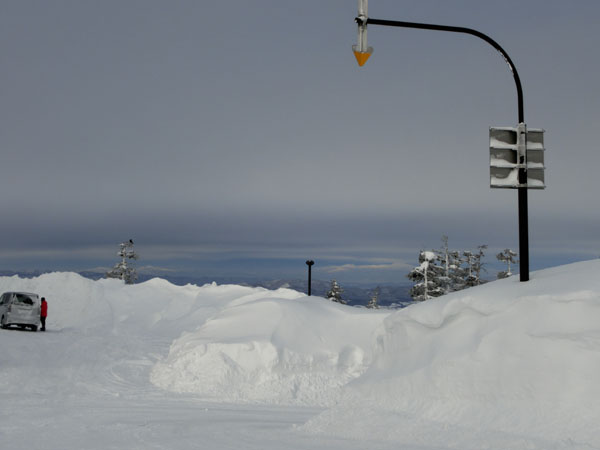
<point x="389" y="295"/>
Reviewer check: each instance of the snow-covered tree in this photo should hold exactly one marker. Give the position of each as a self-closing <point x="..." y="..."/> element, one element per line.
<point x="374" y="299"/>
<point x="469" y="260"/>
<point x="443" y="259"/>
<point x="479" y="263"/>
<point x="124" y="269"/>
<point x="457" y="270"/>
<point x="426" y="277"/>
<point x="335" y="293"/>
<point x="474" y="266"/>
<point x="452" y="278"/>
<point x="444" y="270"/>
<point x="507" y="256"/>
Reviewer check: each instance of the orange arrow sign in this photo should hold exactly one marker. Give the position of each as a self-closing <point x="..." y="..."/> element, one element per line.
<point x="362" y="57"/>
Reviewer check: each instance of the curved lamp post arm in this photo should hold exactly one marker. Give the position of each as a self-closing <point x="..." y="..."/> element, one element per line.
<point x="486" y="38"/>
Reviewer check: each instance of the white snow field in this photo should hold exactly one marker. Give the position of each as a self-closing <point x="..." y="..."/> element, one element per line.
<point x="506" y="365"/>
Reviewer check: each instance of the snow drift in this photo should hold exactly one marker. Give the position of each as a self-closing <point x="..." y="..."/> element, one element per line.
<point x="507" y="365"/>
<point x="227" y="343"/>
<point x="503" y="359"/>
<point x="298" y="350"/>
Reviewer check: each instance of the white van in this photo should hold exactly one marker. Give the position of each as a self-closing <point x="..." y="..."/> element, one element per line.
<point x="21" y="309"/>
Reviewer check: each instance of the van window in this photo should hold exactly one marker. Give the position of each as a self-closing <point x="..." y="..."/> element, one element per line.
<point x="23" y="299"/>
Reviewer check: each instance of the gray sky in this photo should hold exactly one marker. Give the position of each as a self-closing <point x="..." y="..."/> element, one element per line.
<point x="240" y="138"/>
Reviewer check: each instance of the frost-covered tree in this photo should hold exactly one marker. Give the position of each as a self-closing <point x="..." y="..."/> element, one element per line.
<point x="474" y="266"/>
<point x="507" y="256"/>
<point x="335" y="293"/>
<point x="453" y="275"/>
<point x="124" y="269"/>
<point x="373" y="301"/>
<point x="458" y="272"/>
<point x="469" y="260"/>
<point x="443" y="258"/>
<point x="426" y="277"/>
<point x="479" y="263"/>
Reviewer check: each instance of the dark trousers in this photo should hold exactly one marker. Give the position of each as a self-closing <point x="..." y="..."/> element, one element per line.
<point x="43" y="320"/>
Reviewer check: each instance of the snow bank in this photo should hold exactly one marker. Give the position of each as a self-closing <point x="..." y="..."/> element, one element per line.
<point x="227" y="343"/>
<point x="507" y="365"/>
<point x="155" y="306"/>
<point x="292" y="350"/>
<point x="506" y="359"/>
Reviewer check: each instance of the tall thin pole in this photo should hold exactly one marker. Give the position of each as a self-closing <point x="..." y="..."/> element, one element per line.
<point x="522" y="191"/>
<point x="309" y="263"/>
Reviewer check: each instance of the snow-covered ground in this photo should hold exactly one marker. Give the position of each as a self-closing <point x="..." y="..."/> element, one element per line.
<point x="507" y="365"/>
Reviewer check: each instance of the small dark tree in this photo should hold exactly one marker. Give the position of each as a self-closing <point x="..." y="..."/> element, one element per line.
<point x="374" y="299"/>
<point x="335" y="293"/>
<point x="125" y="270"/>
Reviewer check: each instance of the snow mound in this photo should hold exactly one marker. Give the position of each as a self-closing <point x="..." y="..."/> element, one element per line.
<point x="286" y="350"/>
<point x="227" y="343"/>
<point x="504" y="359"/>
<point x="155" y="308"/>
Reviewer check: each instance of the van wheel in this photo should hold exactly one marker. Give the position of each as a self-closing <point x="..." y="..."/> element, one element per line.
<point x="3" y="322"/>
<point x="34" y="328"/>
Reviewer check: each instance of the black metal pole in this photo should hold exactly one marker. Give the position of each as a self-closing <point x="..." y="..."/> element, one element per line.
<point x="309" y="263"/>
<point x="522" y="191"/>
<point x="523" y="228"/>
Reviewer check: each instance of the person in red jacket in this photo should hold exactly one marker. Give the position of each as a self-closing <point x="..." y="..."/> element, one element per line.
<point x="43" y="313"/>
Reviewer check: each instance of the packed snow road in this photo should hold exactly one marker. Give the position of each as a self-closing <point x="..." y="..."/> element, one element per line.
<point x="71" y="390"/>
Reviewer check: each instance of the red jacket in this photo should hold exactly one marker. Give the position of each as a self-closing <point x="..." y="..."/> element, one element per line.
<point x="44" y="309"/>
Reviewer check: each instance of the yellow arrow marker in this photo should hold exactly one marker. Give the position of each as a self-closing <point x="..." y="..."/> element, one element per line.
<point x="362" y="57"/>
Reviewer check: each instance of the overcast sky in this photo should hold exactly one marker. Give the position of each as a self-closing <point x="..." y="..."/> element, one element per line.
<point x="236" y="138"/>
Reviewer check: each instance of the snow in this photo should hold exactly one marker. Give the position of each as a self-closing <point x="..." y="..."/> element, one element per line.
<point x="505" y="365"/>
<point x="428" y="255"/>
<point x="272" y="351"/>
<point x="505" y="359"/>
<point x="510" y="180"/>
<point x="502" y="163"/>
